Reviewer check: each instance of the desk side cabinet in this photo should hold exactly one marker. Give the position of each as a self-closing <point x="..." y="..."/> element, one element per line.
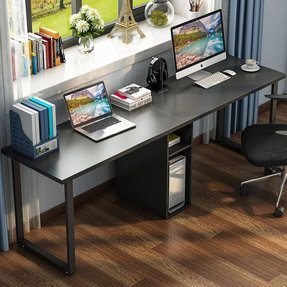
<point x="143" y="175"/>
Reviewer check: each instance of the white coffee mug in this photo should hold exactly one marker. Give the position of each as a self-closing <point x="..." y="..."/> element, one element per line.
<point x="250" y="63"/>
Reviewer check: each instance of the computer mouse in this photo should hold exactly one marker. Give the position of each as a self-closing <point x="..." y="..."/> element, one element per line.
<point x="229" y="72"/>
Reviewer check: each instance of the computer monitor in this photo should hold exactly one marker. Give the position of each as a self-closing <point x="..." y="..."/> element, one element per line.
<point x="197" y="44"/>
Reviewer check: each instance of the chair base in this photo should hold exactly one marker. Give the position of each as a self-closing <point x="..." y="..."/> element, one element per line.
<point x="279" y="210"/>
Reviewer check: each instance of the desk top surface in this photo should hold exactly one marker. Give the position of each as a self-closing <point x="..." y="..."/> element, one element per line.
<point x="186" y="101"/>
<point x="181" y="104"/>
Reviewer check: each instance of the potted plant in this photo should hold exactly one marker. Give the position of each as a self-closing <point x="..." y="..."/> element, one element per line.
<point x="85" y="25"/>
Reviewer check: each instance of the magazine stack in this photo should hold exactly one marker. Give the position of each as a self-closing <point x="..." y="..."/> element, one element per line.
<point x="131" y="97"/>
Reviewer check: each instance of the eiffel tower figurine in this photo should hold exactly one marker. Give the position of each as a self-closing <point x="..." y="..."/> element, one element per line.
<point x="126" y="23"/>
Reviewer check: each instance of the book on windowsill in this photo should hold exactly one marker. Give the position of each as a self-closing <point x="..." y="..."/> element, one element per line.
<point x="60" y="55"/>
<point x="129" y="104"/>
<point x="134" y="91"/>
<point x="173" y="139"/>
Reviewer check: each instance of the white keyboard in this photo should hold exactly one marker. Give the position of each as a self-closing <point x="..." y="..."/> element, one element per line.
<point x="212" y="80"/>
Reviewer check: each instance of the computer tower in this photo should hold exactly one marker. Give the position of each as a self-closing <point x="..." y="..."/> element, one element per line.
<point x="176" y="183"/>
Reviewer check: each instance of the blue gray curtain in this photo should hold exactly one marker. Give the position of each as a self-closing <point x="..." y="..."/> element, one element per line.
<point x="4" y="245"/>
<point x="244" y="41"/>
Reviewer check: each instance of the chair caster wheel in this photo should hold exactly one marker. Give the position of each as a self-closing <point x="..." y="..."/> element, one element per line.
<point x="279" y="211"/>
<point x="243" y="190"/>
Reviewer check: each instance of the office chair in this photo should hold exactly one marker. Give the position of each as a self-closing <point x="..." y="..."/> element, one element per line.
<point x="265" y="145"/>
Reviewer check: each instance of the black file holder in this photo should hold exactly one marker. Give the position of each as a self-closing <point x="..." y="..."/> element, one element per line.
<point x="21" y="143"/>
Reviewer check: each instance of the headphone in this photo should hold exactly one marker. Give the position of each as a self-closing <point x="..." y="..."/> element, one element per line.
<point x="153" y="77"/>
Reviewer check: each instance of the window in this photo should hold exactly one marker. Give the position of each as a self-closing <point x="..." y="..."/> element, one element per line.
<point x="55" y="14"/>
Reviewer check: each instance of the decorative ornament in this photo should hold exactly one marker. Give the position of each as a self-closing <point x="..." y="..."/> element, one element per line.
<point x="159" y="13"/>
<point x="195" y="5"/>
<point x="126" y="23"/>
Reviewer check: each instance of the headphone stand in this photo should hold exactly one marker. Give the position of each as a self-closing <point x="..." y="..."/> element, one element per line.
<point x="162" y="87"/>
<point x="161" y="90"/>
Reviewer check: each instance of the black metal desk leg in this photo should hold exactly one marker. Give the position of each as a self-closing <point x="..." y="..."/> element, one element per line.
<point x="220" y="138"/>
<point x="18" y="201"/>
<point x="220" y="126"/>
<point x="70" y="236"/>
<point x="68" y="266"/>
<point x="273" y="103"/>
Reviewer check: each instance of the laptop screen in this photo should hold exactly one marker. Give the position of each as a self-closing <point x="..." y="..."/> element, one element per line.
<point x="88" y="104"/>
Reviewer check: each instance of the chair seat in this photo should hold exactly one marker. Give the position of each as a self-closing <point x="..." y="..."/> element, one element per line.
<point x="263" y="147"/>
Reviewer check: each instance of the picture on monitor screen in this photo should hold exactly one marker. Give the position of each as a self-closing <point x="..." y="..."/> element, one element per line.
<point x="198" y="41"/>
<point x="87" y="103"/>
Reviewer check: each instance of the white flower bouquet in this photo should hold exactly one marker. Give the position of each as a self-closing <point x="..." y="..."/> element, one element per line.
<point x="88" y="22"/>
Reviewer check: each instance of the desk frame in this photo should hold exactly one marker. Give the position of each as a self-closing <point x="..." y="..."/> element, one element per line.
<point x="68" y="267"/>
<point x="171" y="111"/>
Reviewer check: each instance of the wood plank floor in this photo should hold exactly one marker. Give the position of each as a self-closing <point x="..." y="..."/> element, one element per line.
<point x="223" y="239"/>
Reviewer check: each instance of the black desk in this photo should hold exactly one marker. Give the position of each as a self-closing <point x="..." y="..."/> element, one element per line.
<point x="142" y="153"/>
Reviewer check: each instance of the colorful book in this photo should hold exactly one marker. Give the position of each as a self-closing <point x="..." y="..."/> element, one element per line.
<point x="14" y="46"/>
<point x="26" y="57"/>
<point x="134" y="91"/>
<point x="39" y="50"/>
<point x="33" y="52"/>
<point x="52" y="37"/>
<point x="29" y="121"/>
<point x="51" y="114"/>
<point x="13" y="63"/>
<point x="44" y="56"/>
<point x="57" y="39"/>
<point x="50" y="49"/>
<point x="50" y="32"/>
<point x="62" y="53"/>
<point x="43" y="118"/>
<point x="173" y="139"/>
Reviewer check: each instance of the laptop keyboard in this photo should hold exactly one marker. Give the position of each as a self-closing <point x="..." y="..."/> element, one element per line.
<point x="100" y="125"/>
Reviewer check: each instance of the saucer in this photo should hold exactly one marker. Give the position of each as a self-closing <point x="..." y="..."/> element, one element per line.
<point x="255" y="69"/>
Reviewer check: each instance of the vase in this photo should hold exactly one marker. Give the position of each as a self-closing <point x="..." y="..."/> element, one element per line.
<point x="193" y="15"/>
<point x="86" y="44"/>
<point x="159" y="13"/>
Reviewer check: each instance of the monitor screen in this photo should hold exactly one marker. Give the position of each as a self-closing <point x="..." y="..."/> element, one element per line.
<point x="198" y="43"/>
<point x="87" y="103"/>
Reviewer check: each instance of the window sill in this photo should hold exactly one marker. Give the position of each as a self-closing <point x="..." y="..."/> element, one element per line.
<point x="109" y="55"/>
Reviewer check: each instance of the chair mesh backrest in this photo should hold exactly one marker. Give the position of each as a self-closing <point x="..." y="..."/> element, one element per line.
<point x="264" y="147"/>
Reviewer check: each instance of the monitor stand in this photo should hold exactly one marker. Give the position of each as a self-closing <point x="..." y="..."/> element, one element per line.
<point x="199" y="75"/>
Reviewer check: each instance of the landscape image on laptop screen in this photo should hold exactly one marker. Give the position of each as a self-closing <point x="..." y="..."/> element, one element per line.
<point x="198" y="40"/>
<point x="87" y="104"/>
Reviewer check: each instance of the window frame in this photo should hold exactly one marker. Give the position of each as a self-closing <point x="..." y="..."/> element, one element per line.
<point x="138" y="14"/>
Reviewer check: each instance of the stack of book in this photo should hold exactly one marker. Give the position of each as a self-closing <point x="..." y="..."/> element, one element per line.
<point x="39" y="51"/>
<point x="131" y="97"/>
<point x="173" y="139"/>
<point x="33" y="122"/>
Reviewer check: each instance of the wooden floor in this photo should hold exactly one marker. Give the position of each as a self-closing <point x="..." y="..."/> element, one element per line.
<point x="223" y="239"/>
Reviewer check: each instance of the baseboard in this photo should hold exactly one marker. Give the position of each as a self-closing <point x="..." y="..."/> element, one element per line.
<point x="78" y="200"/>
<point x="264" y="107"/>
<point x="197" y="140"/>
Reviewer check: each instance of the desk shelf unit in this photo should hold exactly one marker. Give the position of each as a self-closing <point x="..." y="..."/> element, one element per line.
<point x="151" y="191"/>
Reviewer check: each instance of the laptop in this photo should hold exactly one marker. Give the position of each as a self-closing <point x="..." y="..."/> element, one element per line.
<point x="91" y="113"/>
